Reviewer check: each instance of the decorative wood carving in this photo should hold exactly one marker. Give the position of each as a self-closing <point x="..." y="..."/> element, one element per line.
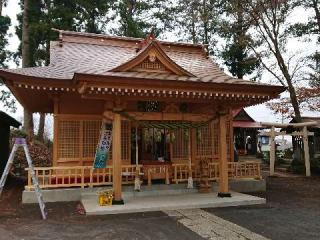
<point x="172" y="108"/>
<point x="151" y="65"/>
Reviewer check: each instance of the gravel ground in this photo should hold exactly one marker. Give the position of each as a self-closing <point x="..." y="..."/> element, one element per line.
<point x="292" y="210"/>
<point x="23" y="221"/>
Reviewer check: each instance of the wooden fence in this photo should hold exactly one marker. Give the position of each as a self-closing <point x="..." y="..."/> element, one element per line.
<point x="80" y="176"/>
<point x="86" y="176"/>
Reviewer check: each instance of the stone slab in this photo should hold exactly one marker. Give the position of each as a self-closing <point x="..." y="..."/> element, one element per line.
<point x="169" y="202"/>
<point x="74" y="194"/>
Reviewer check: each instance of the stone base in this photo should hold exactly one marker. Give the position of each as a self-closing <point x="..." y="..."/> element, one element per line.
<point x="74" y="194"/>
<point x="223" y="195"/>
<point x="118" y="202"/>
<point x="169" y="202"/>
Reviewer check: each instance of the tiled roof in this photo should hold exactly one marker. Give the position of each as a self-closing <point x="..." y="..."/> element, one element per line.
<point x="98" y="54"/>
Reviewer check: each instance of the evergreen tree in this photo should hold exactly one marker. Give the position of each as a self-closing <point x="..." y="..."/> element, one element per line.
<point x="197" y="21"/>
<point x="93" y="14"/>
<point x="136" y="18"/>
<point x="5" y="55"/>
<point x="234" y="27"/>
<point x="312" y="26"/>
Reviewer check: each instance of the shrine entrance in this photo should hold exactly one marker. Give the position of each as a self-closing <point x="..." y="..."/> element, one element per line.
<point x="154" y="145"/>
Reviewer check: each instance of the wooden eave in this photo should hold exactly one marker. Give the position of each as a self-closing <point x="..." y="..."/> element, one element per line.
<point x="43" y="90"/>
<point x="237" y="95"/>
<point x="91" y="80"/>
<point x="155" y="47"/>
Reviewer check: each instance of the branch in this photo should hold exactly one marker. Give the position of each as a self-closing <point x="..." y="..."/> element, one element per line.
<point x="266" y="67"/>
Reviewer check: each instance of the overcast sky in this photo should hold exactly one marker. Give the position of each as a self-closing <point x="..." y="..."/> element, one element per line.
<point x="258" y="112"/>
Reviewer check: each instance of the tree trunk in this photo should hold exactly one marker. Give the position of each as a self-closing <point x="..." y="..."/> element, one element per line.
<point x="42" y="120"/>
<point x="26" y="62"/>
<point x="1" y="5"/>
<point x="317" y="11"/>
<point x="205" y="22"/>
<point x="28" y="123"/>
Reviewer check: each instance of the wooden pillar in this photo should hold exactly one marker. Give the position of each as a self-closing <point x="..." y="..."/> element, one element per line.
<point x="193" y="134"/>
<point x="55" y="131"/>
<point x="116" y="159"/>
<point x="231" y="138"/>
<point x="272" y="150"/>
<point x="190" y="180"/>
<point x="306" y="151"/>
<point x="223" y="165"/>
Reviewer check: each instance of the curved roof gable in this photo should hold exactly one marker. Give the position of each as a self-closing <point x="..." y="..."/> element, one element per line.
<point x="152" y="58"/>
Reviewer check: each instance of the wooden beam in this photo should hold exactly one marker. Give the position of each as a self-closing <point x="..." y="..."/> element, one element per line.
<point x="284" y="133"/>
<point x="116" y="159"/>
<point x="284" y="125"/>
<point x="160" y="116"/>
<point x="306" y="151"/>
<point x="223" y="166"/>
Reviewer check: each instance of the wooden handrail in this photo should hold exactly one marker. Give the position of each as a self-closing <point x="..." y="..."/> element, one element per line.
<point x="87" y="176"/>
<point x="79" y="176"/>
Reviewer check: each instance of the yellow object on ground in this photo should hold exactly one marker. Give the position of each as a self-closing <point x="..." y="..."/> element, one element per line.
<point x="105" y="197"/>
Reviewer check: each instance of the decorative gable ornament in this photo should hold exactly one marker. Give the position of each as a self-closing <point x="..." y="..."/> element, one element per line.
<point x="152" y="58"/>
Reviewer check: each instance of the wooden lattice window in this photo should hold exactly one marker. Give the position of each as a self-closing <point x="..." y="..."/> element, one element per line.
<point x="78" y="139"/>
<point x="180" y="144"/>
<point x="69" y="139"/>
<point x="204" y="141"/>
<point x="125" y="140"/>
<point x="91" y="131"/>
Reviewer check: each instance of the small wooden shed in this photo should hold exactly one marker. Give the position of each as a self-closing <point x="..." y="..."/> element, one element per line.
<point x="6" y="122"/>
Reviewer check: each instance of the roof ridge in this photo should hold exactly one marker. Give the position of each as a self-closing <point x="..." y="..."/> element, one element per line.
<point x="114" y="37"/>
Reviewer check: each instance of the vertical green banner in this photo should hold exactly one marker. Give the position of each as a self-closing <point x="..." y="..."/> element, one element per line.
<point x="103" y="149"/>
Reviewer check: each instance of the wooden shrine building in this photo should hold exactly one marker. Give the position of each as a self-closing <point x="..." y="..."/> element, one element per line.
<point x="245" y="132"/>
<point x="172" y="93"/>
<point x="314" y="140"/>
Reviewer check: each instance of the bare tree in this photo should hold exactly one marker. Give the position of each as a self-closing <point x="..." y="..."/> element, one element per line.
<point x="26" y="62"/>
<point x="270" y="20"/>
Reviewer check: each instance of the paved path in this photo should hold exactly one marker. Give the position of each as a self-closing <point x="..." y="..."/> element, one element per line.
<point x="209" y="226"/>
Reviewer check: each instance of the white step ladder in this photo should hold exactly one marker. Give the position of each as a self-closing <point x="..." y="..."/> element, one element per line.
<point x="21" y="142"/>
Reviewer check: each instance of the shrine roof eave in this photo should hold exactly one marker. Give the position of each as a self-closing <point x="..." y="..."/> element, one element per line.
<point x="43" y="89"/>
<point x="11" y="78"/>
<point x="92" y="80"/>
